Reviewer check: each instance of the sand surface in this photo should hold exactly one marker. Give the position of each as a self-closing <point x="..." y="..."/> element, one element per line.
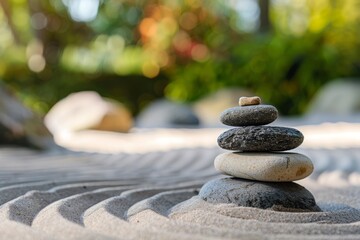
<point x="147" y="189"/>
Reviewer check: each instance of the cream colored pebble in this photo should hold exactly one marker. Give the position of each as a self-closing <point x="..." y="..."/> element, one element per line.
<point x="268" y="167"/>
<point x="247" y="101"/>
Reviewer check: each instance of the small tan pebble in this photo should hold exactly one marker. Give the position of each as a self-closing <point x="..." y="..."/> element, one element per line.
<point x="246" y="101"/>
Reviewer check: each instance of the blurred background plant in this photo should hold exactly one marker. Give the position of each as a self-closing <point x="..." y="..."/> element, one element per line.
<point x="138" y="51"/>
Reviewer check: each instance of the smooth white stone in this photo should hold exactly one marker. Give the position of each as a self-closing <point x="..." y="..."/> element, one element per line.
<point x="269" y="167"/>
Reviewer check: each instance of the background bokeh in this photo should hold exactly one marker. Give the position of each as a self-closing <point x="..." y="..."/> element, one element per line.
<point x="137" y="51"/>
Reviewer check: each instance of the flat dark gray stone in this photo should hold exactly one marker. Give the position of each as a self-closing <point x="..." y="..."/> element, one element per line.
<point x="249" y="115"/>
<point x="260" y="139"/>
<point x="287" y="197"/>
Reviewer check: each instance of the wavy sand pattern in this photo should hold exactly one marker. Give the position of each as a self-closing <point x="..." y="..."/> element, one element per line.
<point x="153" y="195"/>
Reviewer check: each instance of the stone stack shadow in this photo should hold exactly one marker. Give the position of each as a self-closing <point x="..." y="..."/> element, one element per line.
<point x="262" y="173"/>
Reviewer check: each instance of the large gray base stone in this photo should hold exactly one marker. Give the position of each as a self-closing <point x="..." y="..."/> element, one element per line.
<point x="287" y="197"/>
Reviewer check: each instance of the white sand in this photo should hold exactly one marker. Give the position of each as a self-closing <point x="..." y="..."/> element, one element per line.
<point x="326" y="135"/>
<point x="150" y="190"/>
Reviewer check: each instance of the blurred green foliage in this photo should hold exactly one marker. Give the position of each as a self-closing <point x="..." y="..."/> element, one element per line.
<point x="137" y="51"/>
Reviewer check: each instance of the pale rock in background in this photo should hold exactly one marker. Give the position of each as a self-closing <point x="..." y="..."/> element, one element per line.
<point x="167" y="114"/>
<point x="338" y="97"/>
<point x="87" y="110"/>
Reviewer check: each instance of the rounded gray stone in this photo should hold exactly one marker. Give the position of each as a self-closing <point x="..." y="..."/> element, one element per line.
<point x="167" y="114"/>
<point x="287" y="197"/>
<point x="249" y="115"/>
<point x="260" y="139"/>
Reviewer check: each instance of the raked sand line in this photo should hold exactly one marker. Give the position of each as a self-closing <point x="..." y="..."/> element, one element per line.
<point x="24" y="208"/>
<point x="108" y="217"/>
<point x="113" y="211"/>
<point x="65" y="216"/>
<point x="13" y="191"/>
<point x="162" y="202"/>
<point x="119" y="205"/>
<point x="71" y="208"/>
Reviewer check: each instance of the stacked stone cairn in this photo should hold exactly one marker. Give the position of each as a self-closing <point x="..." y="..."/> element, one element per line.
<point x="259" y="147"/>
<point x="262" y="173"/>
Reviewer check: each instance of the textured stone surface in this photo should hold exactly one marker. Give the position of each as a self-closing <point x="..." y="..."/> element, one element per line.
<point x="249" y="115"/>
<point x="260" y="139"/>
<point x="246" y="101"/>
<point x="270" y="167"/>
<point x="276" y="196"/>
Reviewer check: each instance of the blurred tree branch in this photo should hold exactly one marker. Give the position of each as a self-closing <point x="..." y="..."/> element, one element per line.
<point x="7" y="12"/>
<point x="265" y="24"/>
